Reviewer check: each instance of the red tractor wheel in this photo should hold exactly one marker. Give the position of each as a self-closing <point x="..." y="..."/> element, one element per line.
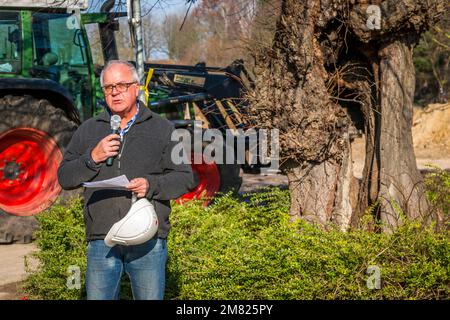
<point x="208" y="177"/>
<point x="33" y="135"/>
<point x="212" y="178"/>
<point x="29" y="161"/>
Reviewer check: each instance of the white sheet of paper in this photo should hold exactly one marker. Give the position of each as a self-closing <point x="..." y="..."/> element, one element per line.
<point x="120" y="181"/>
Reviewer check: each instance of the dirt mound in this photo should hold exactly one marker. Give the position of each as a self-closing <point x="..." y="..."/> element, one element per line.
<point x="431" y="131"/>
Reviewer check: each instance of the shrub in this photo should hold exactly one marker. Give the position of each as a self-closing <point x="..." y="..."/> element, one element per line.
<point x="437" y="183"/>
<point x="62" y="244"/>
<point x="248" y="249"/>
<point x="236" y="250"/>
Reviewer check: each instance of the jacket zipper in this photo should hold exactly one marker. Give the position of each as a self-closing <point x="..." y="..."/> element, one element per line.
<point x="122" y="146"/>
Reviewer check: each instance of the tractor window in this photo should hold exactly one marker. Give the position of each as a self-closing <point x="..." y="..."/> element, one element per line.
<point x="60" y="54"/>
<point x="57" y="34"/>
<point x="10" y="40"/>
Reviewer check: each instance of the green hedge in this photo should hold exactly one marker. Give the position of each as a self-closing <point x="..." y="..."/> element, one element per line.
<point x="61" y="240"/>
<point x="248" y="249"/>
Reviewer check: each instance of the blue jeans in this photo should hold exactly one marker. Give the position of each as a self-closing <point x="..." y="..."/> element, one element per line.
<point x="145" y="264"/>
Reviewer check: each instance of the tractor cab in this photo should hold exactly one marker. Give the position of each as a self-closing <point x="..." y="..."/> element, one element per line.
<point x="47" y="88"/>
<point x="48" y="44"/>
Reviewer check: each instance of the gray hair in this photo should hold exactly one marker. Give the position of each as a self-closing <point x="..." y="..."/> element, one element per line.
<point x="131" y="67"/>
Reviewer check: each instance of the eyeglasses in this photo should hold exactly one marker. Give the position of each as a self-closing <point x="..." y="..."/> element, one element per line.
<point x="120" y="87"/>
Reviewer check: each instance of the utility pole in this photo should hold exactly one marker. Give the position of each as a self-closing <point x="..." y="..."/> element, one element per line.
<point x="135" y="21"/>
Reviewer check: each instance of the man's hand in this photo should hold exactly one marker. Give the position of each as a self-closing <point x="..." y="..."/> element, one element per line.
<point x="107" y="147"/>
<point x="139" y="186"/>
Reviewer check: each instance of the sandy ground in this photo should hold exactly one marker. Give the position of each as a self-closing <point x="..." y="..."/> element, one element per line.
<point x="431" y="131"/>
<point x="252" y="182"/>
<point x="12" y="269"/>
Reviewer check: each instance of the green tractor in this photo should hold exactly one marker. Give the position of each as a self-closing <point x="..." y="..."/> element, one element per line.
<point x="47" y="88"/>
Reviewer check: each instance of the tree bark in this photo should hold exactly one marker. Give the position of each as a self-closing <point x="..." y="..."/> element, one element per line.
<point x="325" y="70"/>
<point x="401" y="187"/>
<point x="313" y="129"/>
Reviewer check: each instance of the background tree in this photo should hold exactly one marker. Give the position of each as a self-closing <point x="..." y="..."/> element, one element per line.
<point x="432" y="62"/>
<point x="333" y="68"/>
<point x="225" y="24"/>
<point x="214" y="32"/>
<point x="153" y="41"/>
<point x="182" y="45"/>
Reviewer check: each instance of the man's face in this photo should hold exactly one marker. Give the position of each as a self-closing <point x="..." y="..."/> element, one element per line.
<point x="123" y="90"/>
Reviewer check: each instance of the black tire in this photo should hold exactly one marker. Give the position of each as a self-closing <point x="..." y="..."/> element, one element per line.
<point x="27" y="111"/>
<point x="230" y="177"/>
<point x="230" y="174"/>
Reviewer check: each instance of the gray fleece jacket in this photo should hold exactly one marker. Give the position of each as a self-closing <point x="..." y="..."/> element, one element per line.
<point x="145" y="152"/>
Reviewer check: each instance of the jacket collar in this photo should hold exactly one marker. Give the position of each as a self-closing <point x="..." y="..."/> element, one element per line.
<point x="144" y="114"/>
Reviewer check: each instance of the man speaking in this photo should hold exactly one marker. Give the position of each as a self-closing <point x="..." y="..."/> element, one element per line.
<point x="140" y="149"/>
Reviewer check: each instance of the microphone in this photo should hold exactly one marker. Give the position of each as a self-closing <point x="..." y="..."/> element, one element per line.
<point x="115" y="125"/>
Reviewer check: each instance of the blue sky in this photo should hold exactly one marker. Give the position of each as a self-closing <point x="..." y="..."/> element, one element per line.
<point x="158" y="6"/>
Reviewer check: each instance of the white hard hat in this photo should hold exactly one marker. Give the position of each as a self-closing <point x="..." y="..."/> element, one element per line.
<point x="138" y="226"/>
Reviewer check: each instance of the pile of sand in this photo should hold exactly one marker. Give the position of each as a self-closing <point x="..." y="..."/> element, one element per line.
<point x="431" y="131"/>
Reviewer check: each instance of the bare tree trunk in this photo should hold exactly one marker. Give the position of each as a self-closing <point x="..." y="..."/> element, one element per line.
<point x="401" y="187"/>
<point x="313" y="129"/>
<point x="370" y="183"/>
<point x="345" y="204"/>
<point x="323" y="193"/>
<point x="312" y="189"/>
<point x="305" y="89"/>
